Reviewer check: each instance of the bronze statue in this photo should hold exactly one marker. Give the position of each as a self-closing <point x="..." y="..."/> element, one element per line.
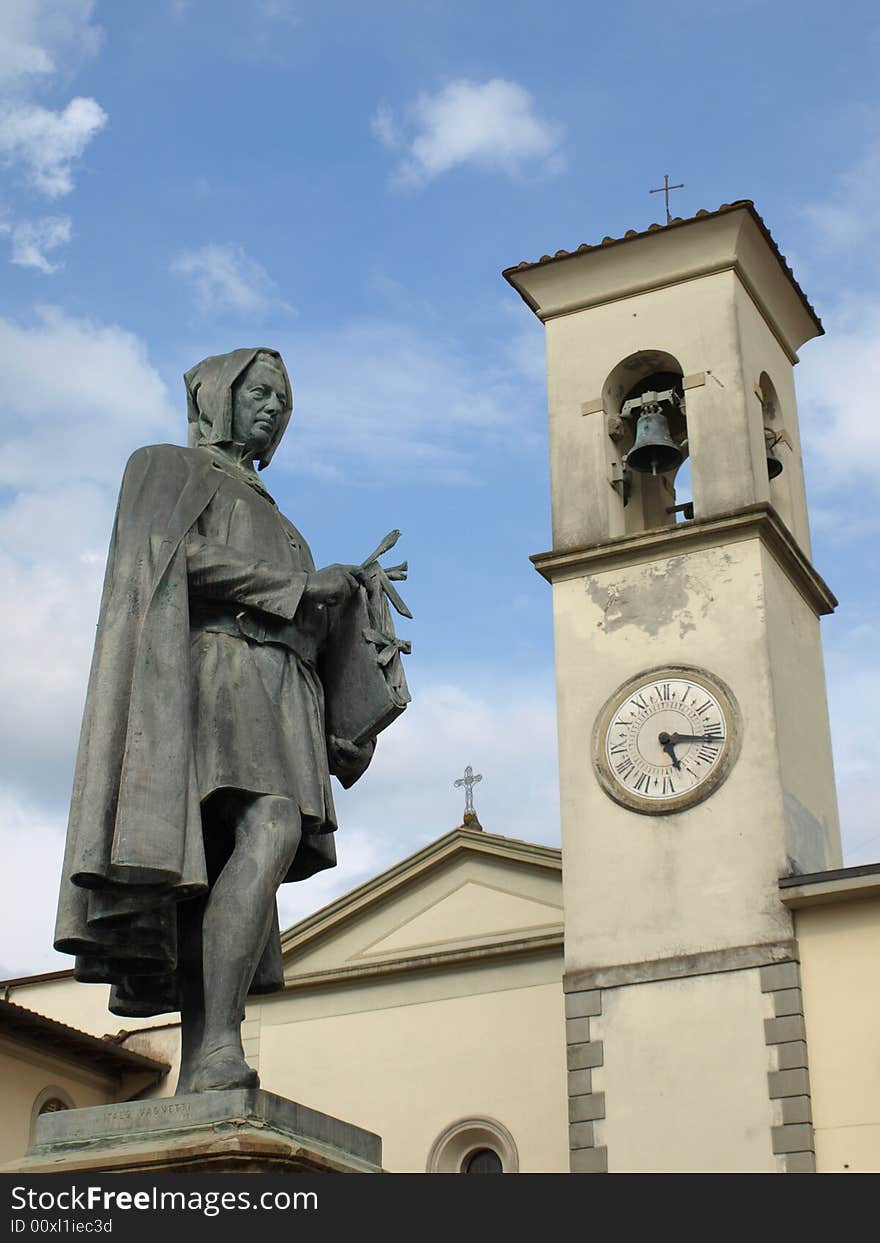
<point x="230" y="678"/>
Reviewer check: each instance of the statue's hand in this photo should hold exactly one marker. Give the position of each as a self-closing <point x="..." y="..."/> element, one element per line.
<point x="332" y="585"/>
<point x="348" y="761"/>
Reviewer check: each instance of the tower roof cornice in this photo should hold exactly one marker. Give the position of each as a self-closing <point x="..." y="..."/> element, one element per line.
<point x="521" y="277"/>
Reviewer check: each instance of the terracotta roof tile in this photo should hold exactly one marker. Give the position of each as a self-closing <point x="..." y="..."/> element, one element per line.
<point x="676" y="223"/>
<point x="66" y="1041"/>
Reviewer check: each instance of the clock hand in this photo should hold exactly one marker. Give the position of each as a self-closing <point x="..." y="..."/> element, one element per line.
<point x="668" y="745"/>
<point x="674" y="738"/>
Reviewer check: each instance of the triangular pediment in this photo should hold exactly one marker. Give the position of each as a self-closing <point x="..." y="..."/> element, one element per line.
<point x="466" y="894"/>
<point x="472" y="910"/>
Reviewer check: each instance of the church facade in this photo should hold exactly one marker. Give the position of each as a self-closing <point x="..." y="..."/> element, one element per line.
<point x="428" y="1006"/>
<point x="690" y="983"/>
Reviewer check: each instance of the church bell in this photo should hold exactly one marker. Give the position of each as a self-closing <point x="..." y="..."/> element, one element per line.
<point x="654" y="451"/>
<point x="774" y="466"/>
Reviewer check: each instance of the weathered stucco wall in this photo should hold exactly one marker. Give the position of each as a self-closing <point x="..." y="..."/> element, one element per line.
<point x="695" y="322"/>
<point x="642" y="887"/>
<point x="26" y="1078"/>
<point x="685" y="1076"/>
<point x="761" y="352"/>
<point x="407" y="1061"/>
<point x="802" y="730"/>
<point x="840" y="953"/>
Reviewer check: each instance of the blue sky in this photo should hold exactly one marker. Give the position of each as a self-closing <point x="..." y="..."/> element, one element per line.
<point x="345" y="183"/>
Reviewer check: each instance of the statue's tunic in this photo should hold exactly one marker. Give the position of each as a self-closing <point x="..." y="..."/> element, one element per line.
<point x="180" y="704"/>
<point x="257" y="701"/>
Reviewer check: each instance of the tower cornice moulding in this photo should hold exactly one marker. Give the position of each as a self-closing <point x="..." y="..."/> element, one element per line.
<point x="733" y="239"/>
<point x="752" y="522"/>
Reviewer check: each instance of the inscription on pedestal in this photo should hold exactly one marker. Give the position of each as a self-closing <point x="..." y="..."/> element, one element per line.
<point x="204" y="1115"/>
<point x="115" y="1120"/>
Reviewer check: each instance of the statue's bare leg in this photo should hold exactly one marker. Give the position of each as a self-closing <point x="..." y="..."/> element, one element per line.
<point x="237" y="919"/>
<point x="192" y="1000"/>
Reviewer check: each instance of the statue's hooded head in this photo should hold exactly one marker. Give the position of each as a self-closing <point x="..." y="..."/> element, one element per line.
<point x="210" y="387"/>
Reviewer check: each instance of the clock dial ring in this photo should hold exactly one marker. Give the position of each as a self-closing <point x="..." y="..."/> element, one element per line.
<point x="666" y="739"/>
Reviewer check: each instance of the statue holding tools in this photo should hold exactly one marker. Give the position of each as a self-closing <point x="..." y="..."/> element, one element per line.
<point x="230" y="678"/>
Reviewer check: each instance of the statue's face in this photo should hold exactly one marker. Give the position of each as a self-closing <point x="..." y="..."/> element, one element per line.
<point x="259" y="400"/>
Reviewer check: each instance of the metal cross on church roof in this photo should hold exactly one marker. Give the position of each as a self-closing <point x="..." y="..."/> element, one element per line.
<point x="469" y="780"/>
<point x="664" y="190"/>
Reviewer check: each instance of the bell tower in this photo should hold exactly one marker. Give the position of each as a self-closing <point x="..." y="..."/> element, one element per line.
<point x="694" y="747"/>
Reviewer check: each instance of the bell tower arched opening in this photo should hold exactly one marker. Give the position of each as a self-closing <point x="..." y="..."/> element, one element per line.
<point x="647" y="437"/>
<point x="778" y="447"/>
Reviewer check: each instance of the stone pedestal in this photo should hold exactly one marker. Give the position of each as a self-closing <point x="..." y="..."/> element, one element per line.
<point x="245" y="1131"/>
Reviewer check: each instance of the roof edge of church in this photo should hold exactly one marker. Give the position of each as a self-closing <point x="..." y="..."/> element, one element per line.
<point x="396" y="874"/>
<point x="41" y="977"/>
<point x="677" y="222"/>
<point x="65" y="1039"/>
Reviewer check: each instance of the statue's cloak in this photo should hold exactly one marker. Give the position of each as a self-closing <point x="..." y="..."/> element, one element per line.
<point x="135" y="846"/>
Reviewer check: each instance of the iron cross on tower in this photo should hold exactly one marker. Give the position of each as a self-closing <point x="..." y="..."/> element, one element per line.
<point x="469" y="780"/>
<point x="664" y="190"/>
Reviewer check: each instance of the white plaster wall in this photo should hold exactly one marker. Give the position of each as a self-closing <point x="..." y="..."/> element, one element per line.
<point x="840" y="952"/>
<point x="803" y="733"/>
<point x="695" y="321"/>
<point x="406" y="1061"/>
<point x="685" y="1076"/>
<point x="643" y="887"/>
<point x="760" y="351"/>
<point x="24" y="1075"/>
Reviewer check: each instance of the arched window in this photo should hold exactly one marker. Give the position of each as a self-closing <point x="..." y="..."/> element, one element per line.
<point x="49" y="1101"/>
<point x="774" y="427"/>
<point x="482" y="1161"/>
<point x="52" y="1106"/>
<point x="474" y="1146"/>
<point x="649" y="501"/>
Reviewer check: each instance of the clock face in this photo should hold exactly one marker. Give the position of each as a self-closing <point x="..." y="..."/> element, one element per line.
<point x="666" y="740"/>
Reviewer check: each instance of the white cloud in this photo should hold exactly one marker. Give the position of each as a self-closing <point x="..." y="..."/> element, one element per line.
<point x="47" y="638"/>
<point x="845" y="219"/>
<point x="36" y="36"/>
<point x="80" y="397"/>
<point x="39" y="39"/>
<point x="384" y="127"/>
<point x="838" y="382"/>
<point x="490" y="125"/>
<point x="224" y="278"/>
<point x="853" y="696"/>
<point x="374" y="396"/>
<point x="46" y="143"/>
<point x="32" y="239"/>
<point x="506" y="730"/>
<point x="838" y="377"/>
<point x="31" y="848"/>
